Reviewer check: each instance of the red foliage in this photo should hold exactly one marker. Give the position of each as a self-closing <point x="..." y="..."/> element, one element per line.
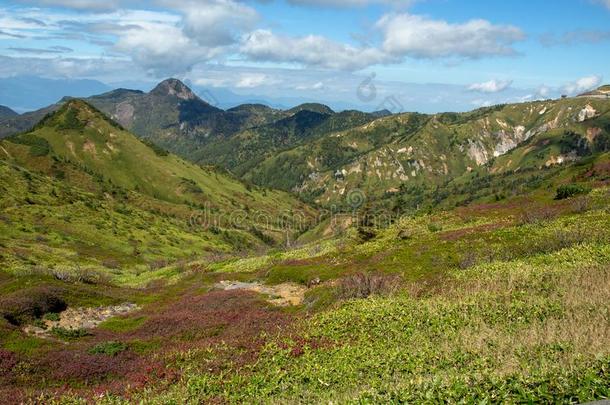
<point x="236" y="318"/>
<point x="235" y="324"/>
<point x="8" y="360"/>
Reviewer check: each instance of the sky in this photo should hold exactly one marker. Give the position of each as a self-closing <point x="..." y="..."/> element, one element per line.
<point x="424" y="55"/>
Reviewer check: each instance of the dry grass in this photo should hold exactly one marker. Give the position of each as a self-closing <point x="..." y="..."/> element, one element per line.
<point x="363" y="285"/>
<point x="579" y="330"/>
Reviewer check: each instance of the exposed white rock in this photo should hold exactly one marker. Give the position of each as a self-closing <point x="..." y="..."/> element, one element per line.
<point x="477" y="152"/>
<point x="586" y="113"/>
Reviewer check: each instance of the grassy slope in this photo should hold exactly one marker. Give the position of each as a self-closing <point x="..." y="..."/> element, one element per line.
<point x="94" y="198"/>
<point x="247" y="149"/>
<point x="524" y="319"/>
<point x="411" y="150"/>
<point x="94" y="153"/>
<point x="49" y="227"/>
<point x="501" y="301"/>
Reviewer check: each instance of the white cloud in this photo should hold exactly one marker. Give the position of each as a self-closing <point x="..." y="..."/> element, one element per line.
<point x="352" y="3"/>
<point x="306" y="87"/>
<point x="251" y="80"/>
<point x="215" y="22"/>
<point x="311" y="51"/>
<point x="93" y="5"/>
<point x="162" y="49"/>
<point x="543" y="92"/>
<point x="481" y="103"/>
<point x="605" y="3"/>
<point x="492" y="86"/>
<point x="582" y="85"/>
<point x="421" y="37"/>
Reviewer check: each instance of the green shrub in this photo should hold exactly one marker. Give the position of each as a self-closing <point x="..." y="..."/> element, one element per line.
<point x="159" y="151"/>
<point x="39" y="323"/>
<point x="571" y="190"/>
<point x="434" y="227"/>
<point x="52" y="316"/>
<point x="108" y="348"/>
<point x="69" y="334"/>
<point x="38" y="146"/>
<point x="71" y="120"/>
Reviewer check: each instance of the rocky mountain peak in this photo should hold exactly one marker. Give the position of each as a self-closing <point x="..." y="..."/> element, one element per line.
<point x="174" y="88"/>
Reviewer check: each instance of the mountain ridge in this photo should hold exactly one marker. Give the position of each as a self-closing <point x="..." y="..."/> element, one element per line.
<point x="6" y="112"/>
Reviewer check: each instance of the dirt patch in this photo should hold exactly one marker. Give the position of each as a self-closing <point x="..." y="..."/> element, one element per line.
<point x="283" y="295"/>
<point x="81" y="318"/>
<point x="89" y="147"/>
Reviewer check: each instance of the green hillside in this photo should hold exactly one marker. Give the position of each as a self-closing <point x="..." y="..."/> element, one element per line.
<point x="503" y="301"/>
<point x="79" y="144"/>
<point x="246" y="150"/>
<point x="413" y="150"/>
<point x="114" y="175"/>
<point x="454" y="258"/>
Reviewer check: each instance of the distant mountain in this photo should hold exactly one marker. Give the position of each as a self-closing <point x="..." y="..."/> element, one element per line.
<point x="247" y="149"/>
<point x="601" y="92"/>
<point x="171" y="115"/>
<point x="24" y="122"/>
<point x="28" y="93"/>
<point x="406" y="153"/>
<point x="6" y="112"/>
<point x="315" y="107"/>
<point x="321" y="155"/>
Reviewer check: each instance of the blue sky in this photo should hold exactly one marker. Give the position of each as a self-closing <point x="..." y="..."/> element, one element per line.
<point x="430" y="55"/>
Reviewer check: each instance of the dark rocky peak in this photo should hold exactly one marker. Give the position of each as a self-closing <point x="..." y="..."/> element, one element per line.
<point x="174" y="88"/>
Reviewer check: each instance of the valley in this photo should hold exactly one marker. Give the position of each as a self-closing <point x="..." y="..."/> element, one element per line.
<point x="167" y="251"/>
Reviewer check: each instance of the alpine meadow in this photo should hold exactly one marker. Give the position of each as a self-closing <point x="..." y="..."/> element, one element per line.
<point x="304" y="202"/>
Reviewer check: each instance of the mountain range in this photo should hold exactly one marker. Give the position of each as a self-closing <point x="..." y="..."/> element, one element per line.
<point x="320" y="155"/>
<point x="165" y="250"/>
<point x="27" y="93"/>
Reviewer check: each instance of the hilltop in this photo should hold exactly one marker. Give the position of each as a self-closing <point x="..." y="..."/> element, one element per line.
<point x="600" y="92"/>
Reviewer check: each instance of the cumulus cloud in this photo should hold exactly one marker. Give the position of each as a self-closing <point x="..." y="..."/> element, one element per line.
<point x="492" y="86"/>
<point x="311" y="50"/>
<point x="582" y="85"/>
<point x="215" y="22"/>
<point x="162" y="49"/>
<point x="421" y="37"/>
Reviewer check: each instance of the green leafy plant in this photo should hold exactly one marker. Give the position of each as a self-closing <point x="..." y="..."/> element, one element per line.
<point x="69" y="334"/>
<point x="52" y="316"/>
<point x="108" y="348"/>
<point x="571" y="190"/>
